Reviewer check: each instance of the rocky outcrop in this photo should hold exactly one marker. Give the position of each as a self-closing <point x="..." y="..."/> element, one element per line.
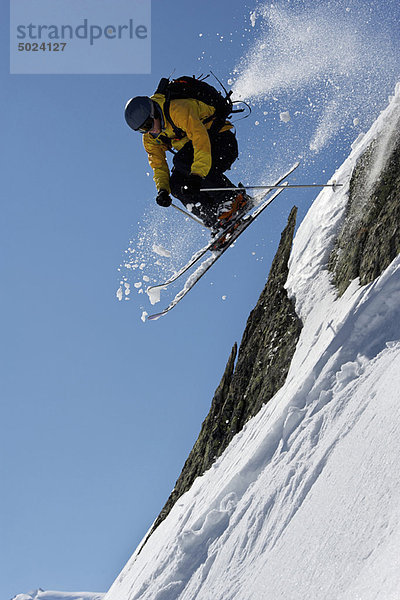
<point x="265" y="353"/>
<point x="268" y="343"/>
<point x="370" y="237"/>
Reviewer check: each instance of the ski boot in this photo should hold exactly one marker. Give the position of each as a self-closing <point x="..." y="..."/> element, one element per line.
<point x="233" y="209"/>
<point x="230" y="217"/>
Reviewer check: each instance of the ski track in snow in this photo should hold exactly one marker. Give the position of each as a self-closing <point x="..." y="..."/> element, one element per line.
<point x="287" y="457"/>
<point x="290" y="508"/>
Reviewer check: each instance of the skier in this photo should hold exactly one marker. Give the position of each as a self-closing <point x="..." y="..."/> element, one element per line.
<point x="204" y="148"/>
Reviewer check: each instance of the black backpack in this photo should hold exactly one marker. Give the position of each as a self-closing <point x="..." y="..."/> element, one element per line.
<point x="197" y="89"/>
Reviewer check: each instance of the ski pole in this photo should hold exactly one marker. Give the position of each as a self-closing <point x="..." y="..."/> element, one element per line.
<point x="187" y="214"/>
<point x="271" y="187"/>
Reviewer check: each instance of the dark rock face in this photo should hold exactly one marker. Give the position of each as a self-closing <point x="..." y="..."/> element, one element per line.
<point x="370" y="236"/>
<point x="268" y="343"/>
<point x="267" y="347"/>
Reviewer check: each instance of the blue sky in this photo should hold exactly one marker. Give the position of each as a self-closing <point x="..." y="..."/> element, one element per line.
<point x="98" y="409"/>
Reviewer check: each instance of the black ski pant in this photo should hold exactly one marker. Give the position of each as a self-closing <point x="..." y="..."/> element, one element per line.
<point x="224" y="151"/>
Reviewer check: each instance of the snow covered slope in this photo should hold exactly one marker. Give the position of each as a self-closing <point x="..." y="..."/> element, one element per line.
<point x="42" y="595"/>
<point x="305" y="502"/>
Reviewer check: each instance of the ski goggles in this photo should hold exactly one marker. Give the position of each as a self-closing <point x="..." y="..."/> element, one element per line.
<point x="149" y="122"/>
<point x="147" y="125"/>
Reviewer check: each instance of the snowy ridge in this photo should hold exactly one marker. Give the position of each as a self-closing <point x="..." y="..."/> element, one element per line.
<point x="46" y="595"/>
<point x="315" y="237"/>
<point x="304" y="503"/>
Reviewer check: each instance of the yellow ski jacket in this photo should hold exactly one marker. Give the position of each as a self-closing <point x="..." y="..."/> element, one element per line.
<point x="187" y="114"/>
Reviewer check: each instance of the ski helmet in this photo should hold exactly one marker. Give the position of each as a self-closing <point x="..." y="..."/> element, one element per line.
<point x="139" y="113"/>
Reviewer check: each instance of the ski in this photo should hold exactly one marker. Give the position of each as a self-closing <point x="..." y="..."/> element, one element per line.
<point x="211" y="260"/>
<point x="214" y="242"/>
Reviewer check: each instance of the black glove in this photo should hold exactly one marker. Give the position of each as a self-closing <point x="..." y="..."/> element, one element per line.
<point x="163" y="198"/>
<point x="192" y="185"/>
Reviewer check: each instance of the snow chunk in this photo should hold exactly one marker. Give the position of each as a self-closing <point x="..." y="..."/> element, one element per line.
<point x="357" y="141"/>
<point x="285" y="116"/>
<point x="119" y="293"/>
<point x="154" y="293"/>
<point x="144" y="315"/>
<point x="158" y="249"/>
